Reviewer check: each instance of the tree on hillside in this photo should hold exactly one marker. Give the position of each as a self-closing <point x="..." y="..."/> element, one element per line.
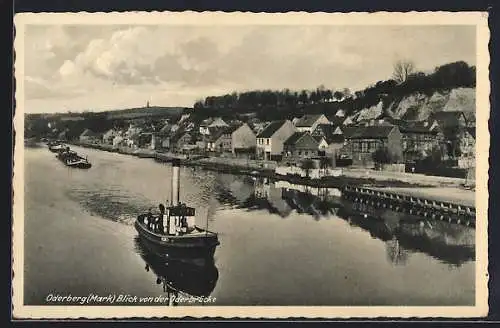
<point x="402" y="69"/>
<point x="346" y="92"/>
<point x="303" y="97"/>
<point x="338" y="95"/>
<point x="198" y="105"/>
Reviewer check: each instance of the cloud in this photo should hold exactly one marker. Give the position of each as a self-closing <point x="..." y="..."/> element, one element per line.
<point x="165" y="61"/>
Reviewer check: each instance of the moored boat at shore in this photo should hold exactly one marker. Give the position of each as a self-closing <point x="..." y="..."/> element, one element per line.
<point x="56" y="147"/>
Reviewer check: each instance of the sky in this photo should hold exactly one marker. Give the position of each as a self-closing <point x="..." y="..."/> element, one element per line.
<point x="94" y="68"/>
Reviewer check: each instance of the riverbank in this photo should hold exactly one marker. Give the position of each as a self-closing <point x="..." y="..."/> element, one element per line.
<point x="418" y="184"/>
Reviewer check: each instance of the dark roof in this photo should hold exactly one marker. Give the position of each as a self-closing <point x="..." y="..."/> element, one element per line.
<point x="318" y="138"/>
<point x="446" y="119"/>
<point x="349" y="130"/>
<point x="165" y="129"/>
<point x="337" y="138"/>
<point x="326" y="130"/>
<point x="215" y="134"/>
<point x="233" y="127"/>
<point x="369" y="132"/>
<point x="308" y="120"/>
<point x="271" y="129"/>
<point x="89" y="133"/>
<point x="178" y="134"/>
<point x="294" y="138"/>
<point x="336" y="120"/>
<point x="416" y="127"/>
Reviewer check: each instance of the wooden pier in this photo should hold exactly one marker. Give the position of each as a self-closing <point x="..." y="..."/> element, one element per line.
<point x="414" y="205"/>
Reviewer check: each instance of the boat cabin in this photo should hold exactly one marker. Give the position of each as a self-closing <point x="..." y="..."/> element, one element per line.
<point x="180" y="219"/>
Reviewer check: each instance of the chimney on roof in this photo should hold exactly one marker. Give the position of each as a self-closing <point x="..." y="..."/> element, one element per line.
<point x="147" y="104"/>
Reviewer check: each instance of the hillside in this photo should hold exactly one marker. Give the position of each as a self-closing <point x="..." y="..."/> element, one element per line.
<point x="152" y="111"/>
<point x="418" y="106"/>
<point x="449" y="87"/>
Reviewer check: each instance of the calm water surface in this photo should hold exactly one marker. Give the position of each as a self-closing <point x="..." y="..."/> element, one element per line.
<point x="280" y="244"/>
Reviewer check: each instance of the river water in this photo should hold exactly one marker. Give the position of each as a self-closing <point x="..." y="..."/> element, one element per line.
<point x="280" y="244"/>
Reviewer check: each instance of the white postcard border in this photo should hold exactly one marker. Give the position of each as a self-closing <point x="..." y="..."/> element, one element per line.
<point x="479" y="19"/>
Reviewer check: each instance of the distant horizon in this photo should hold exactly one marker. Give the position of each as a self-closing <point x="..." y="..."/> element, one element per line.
<point x="100" y="68"/>
<point x="100" y="110"/>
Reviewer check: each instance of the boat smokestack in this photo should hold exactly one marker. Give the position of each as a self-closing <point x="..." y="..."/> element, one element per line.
<point x="176" y="188"/>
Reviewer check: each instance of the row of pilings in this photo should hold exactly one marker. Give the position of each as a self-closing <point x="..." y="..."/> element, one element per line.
<point x="412" y="205"/>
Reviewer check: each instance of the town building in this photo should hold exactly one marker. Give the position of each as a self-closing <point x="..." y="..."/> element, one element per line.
<point x="180" y="139"/>
<point x="308" y="122"/>
<point x="89" y="136"/>
<point x="419" y="138"/>
<point x="164" y="136"/>
<point x="339" y="119"/>
<point x="218" y="140"/>
<point x="468" y="143"/>
<point x="242" y="139"/>
<point x="205" y="125"/>
<point x="331" y="139"/>
<point x="109" y="135"/>
<point x="301" y="145"/>
<point x="270" y="141"/>
<point x="362" y="142"/>
<point x="453" y="125"/>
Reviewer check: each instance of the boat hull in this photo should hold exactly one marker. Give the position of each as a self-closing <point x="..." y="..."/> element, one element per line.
<point x="79" y="165"/>
<point x="184" y="246"/>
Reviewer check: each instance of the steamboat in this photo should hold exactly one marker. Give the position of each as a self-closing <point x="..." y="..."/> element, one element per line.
<point x="174" y="231"/>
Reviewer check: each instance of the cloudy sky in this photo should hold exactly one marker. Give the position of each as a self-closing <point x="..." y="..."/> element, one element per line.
<point x="110" y="67"/>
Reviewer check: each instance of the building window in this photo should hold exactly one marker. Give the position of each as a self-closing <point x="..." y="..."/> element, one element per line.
<point x="267" y="141"/>
<point x="364" y="147"/>
<point x="300" y="153"/>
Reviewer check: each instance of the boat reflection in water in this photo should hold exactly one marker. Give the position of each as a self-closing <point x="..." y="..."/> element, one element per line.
<point x="189" y="279"/>
<point x="403" y="234"/>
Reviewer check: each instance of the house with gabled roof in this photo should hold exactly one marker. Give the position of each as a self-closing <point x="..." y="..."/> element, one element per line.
<point x="180" y="139"/>
<point x="363" y="141"/>
<point x="270" y="141"/>
<point x="301" y="145"/>
<point x="109" y="135"/>
<point x="308" y="122"/>
<point x="208" y="123"/>
<point x="419" y="138"/>
<point x="453" y="125"/>
<point x="90" y="136"/>
<point x="331" y="138"/>
<point x="338" y="120"/>
<point x="218" y="140"/>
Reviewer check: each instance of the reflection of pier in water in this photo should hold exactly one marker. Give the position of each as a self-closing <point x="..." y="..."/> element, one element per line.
<point x="188" y="277"/>
<point x="403" y="234"/>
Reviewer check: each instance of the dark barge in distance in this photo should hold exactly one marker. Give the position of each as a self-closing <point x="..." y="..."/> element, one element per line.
<point x="71" y="159"/>
<point x="174" y="231"/>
